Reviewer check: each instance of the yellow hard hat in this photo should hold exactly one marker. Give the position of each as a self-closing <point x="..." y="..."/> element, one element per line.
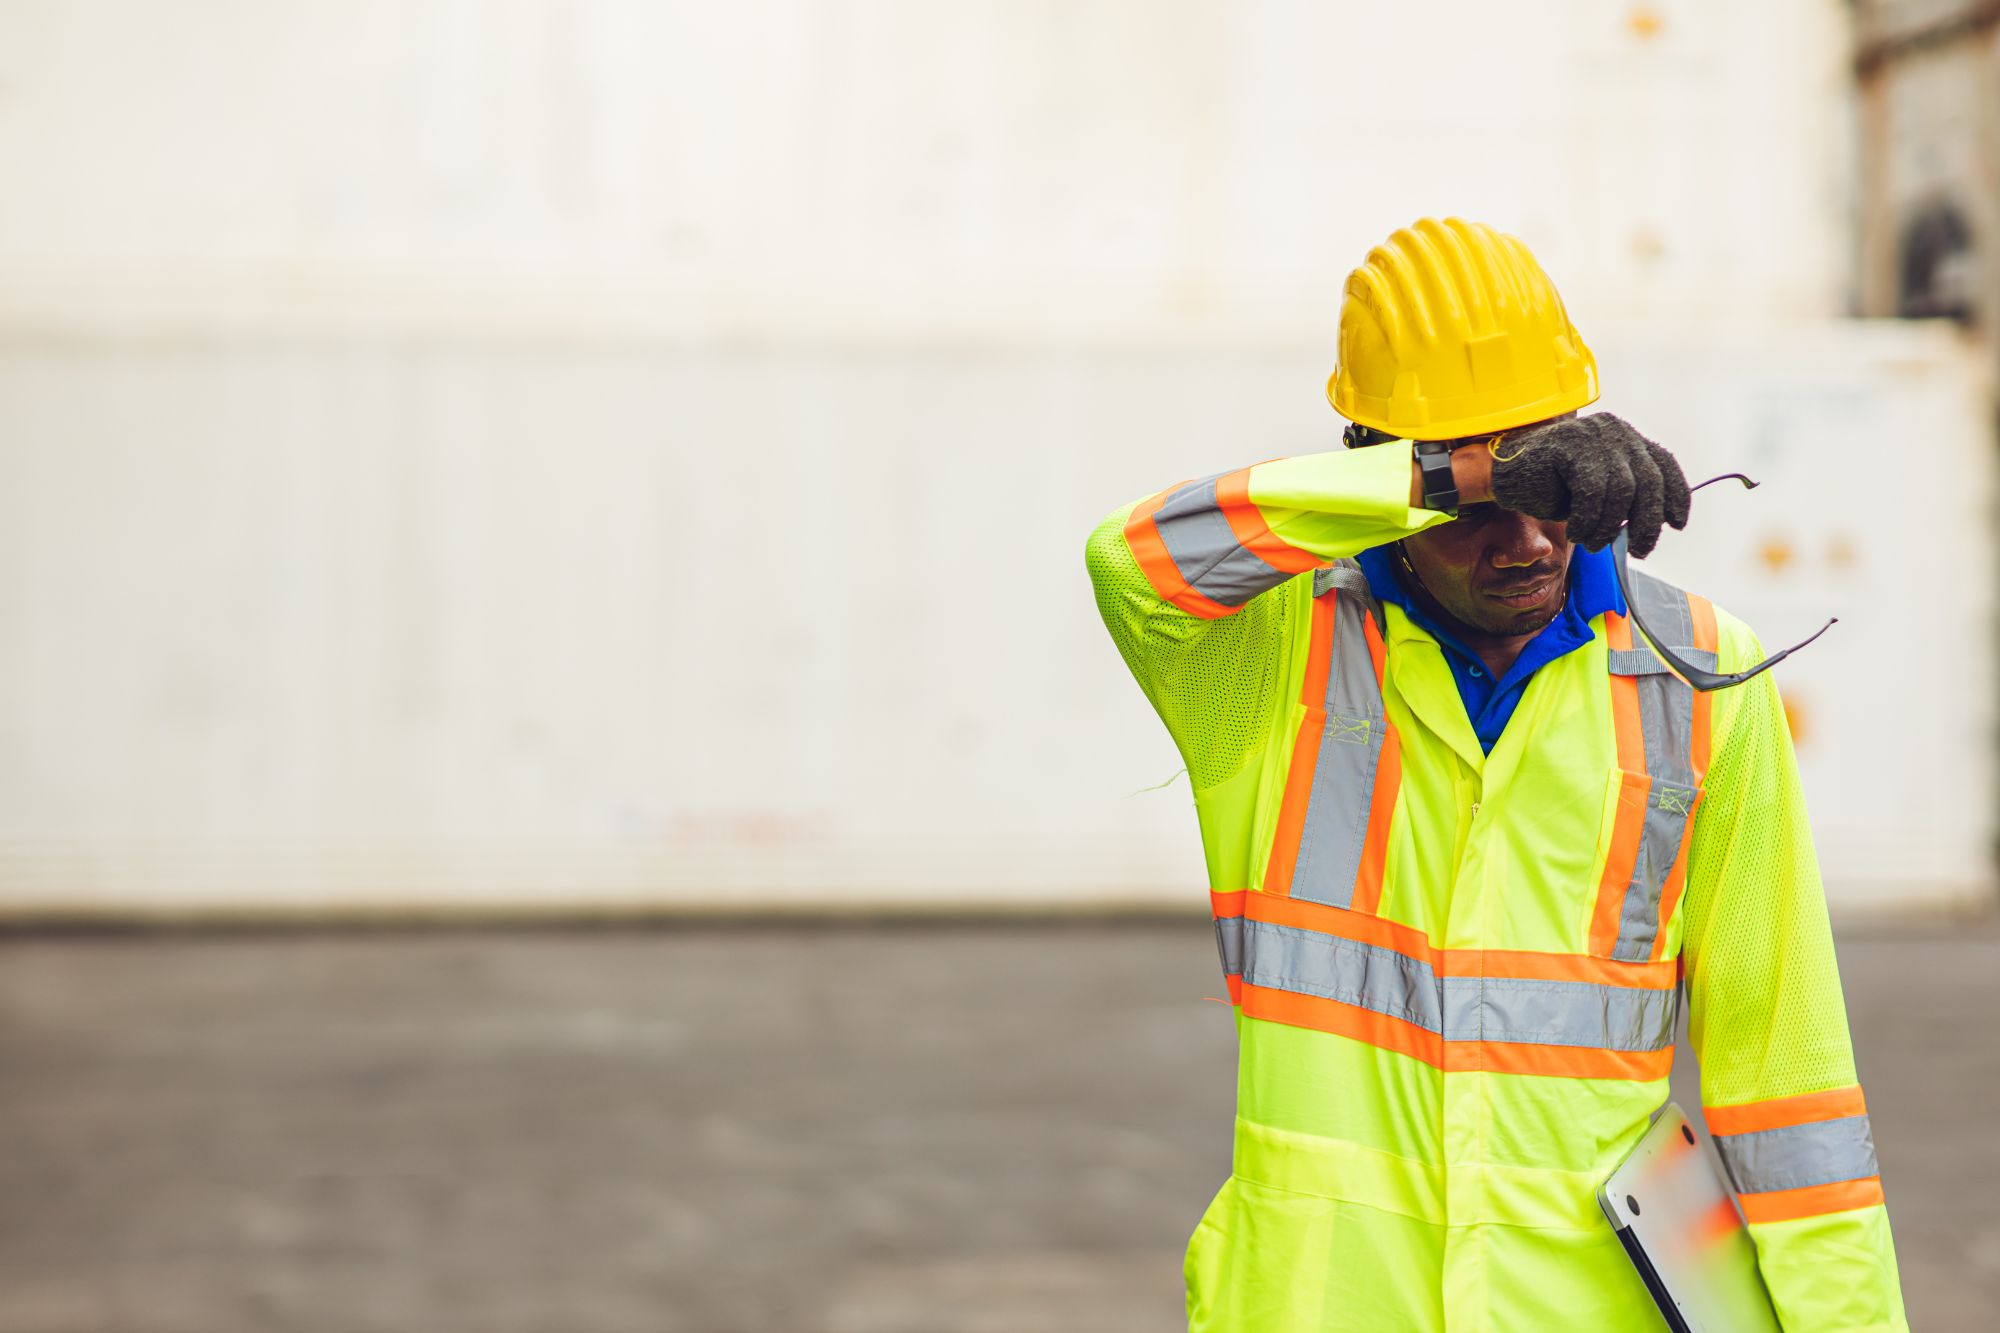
<point x="1450" y="329"/>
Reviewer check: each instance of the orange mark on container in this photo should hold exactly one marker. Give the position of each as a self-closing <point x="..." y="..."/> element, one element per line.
<point x="1775" y="553"/>
<point x="1797" y="716"/>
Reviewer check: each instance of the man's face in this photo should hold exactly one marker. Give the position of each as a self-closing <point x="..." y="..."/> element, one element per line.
<point x="1494" y="570"/>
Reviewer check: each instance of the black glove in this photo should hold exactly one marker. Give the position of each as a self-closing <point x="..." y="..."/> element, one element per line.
<point x="1596" y="473"/>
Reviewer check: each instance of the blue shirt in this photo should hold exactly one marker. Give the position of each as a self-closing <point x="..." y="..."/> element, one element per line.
<point x="1593" y="590"/>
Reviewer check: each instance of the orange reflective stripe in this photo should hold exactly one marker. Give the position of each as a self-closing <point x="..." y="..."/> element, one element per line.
<point x="1381" y="813"/>
<point x="1628" y="827"/>
<point x="1142" y="538"/>
<point x="1780" y="1112"/>
<point x="1530" y="966"/>
<point x="1811" y="1201"/>
<point x="1344" y="1020"/>
<point x="1388" y="785"/>
<point x="1702" y="612"/>
<point x="1292" y="808"/>
<point x="1404" y="1038"/>
<point x="1701" y="615"/>
<point x="1342" y="923"/>
<point x="1526" y="965"/>
<point x="1670" y="897"/>
<point x="1319" y="657"/>
<point x="1228" y="902"/>
<point x="1629" y="821"/>
<point x="1305" y="751"/>
<point x="1246" y="520"/>
<point x="1378" y="652"/>
<point x="1625" y="699"/>
<point x="1510" y="1057"/>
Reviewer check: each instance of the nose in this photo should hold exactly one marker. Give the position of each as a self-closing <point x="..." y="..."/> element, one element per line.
<point x="1519" y="540"/>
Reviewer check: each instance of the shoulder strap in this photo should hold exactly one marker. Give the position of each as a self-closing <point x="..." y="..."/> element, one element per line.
<point x="1346" y="575"/>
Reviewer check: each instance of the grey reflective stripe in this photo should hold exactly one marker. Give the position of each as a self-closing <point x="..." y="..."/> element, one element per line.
<point x="1505" y="1009"/>
<point x="1345" y="575"/>
<point x="1560" y="1013"/>
<point x="1668" y="808"/>
<point x="1666" y="717"/>
<point x="1205" y="550"/>
<point x="1367" y="976"/>
<point x="1646" y="662"/>
<point x="1350" y="746"/>
<point x="1797" y="1156"/>
<point x="1229" y="943"/>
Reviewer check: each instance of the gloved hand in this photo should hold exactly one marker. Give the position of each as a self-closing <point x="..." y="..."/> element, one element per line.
<point x="1596" y="473"/>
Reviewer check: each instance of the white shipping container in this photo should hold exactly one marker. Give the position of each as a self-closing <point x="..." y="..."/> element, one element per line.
<point x="339" y="624"/>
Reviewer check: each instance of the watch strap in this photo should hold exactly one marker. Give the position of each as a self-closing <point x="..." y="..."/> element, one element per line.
<point x="1434" y="468"/>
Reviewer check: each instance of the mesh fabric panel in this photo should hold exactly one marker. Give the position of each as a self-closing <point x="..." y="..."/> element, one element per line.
<point x="1766" y="1015"/>
<point x="1215" y="683"/>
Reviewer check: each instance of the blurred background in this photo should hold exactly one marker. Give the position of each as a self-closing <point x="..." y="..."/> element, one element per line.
<point x="558" y="768"/>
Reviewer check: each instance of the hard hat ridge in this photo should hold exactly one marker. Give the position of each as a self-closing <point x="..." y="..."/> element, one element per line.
<point x="1450" y="328"/>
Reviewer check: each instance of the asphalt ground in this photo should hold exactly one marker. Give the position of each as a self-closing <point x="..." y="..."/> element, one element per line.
<point x="864" y="1128"/>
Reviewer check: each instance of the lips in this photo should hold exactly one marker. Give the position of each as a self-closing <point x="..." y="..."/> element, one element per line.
<point x="1526" y="597"/>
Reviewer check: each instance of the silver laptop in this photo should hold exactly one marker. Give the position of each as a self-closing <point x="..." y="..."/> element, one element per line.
<point x="1675" y="1216"/>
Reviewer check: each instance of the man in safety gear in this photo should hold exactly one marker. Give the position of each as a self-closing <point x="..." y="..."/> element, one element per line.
<point x="1467" y="835"/>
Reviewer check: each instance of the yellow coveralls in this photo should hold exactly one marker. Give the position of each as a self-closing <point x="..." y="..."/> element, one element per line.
<point x="1457" y="974"/>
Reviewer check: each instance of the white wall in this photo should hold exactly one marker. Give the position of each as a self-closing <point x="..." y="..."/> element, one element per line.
<point x="346" y="622"/>
<point x="842" y="168"/>
<point x="462" y="454"/>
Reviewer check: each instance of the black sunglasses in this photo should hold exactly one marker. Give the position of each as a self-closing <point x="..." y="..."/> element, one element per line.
<point x="1686" y="670"/>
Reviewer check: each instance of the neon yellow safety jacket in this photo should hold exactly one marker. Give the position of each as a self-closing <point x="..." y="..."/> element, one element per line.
<point x="1457" y="975"/>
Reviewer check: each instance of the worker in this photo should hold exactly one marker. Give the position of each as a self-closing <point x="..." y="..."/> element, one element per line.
<point x="1468" y="837"/>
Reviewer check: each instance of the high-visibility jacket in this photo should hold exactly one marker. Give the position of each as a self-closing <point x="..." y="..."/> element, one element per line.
<point x="1457" y="974"/>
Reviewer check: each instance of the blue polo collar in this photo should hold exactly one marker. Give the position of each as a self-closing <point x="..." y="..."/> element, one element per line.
<point x="1593" y="590"/>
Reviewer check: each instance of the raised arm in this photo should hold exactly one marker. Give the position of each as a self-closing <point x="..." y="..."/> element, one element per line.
<point x="1181" y="578"/>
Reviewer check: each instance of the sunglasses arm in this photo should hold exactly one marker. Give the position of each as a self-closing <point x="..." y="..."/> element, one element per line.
<point x="1686" y="670"/>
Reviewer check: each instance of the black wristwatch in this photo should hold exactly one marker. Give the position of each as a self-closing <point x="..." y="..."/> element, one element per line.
<point x="1434" y="465"/>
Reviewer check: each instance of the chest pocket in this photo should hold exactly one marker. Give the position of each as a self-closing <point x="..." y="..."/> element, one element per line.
<point x="1662" y="725"/>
